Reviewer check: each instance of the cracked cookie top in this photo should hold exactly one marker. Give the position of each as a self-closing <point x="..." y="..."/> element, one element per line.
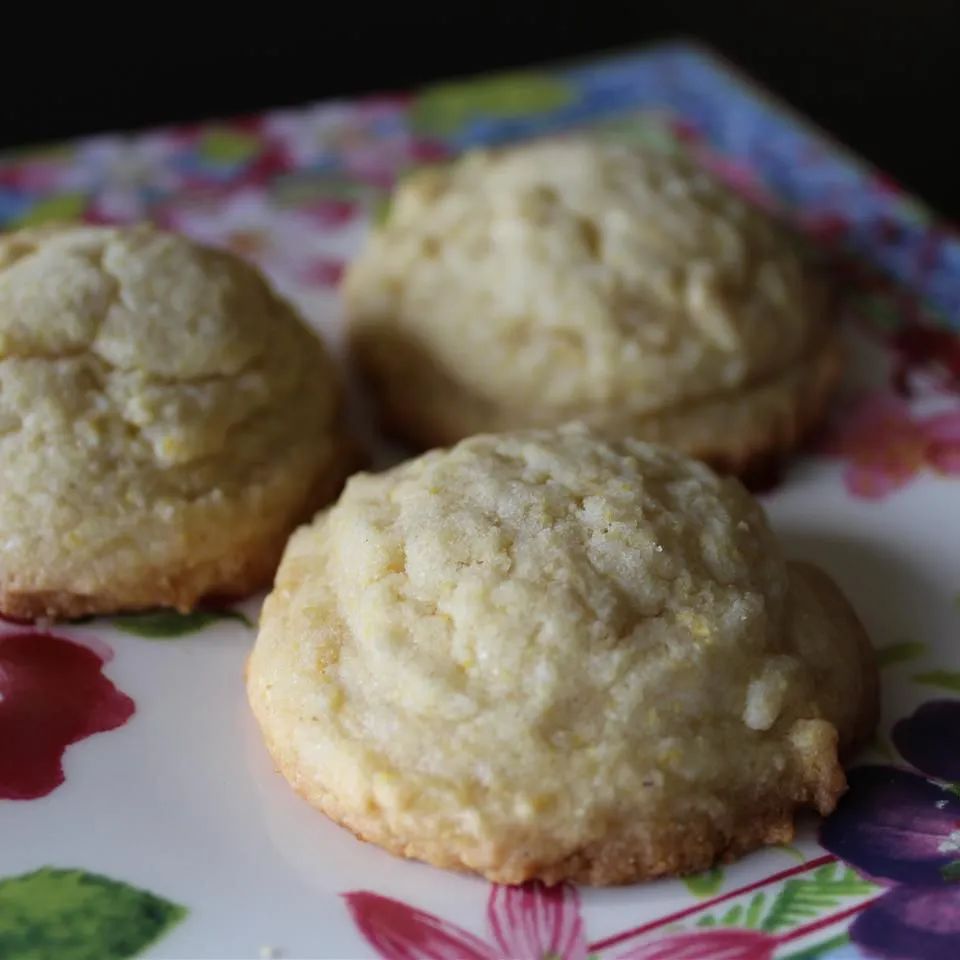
<point x="575" y="275"/>
<point x="532" y="644"/>
<point x="141" y="376"/>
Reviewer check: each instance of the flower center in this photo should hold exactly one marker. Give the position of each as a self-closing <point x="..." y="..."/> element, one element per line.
<point x="951" y="844"/>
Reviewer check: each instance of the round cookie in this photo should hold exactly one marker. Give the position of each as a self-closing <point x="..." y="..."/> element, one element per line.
<point x="545" y="655"/>
<point x="165" y="421"/>
<point x="579" y="279"/>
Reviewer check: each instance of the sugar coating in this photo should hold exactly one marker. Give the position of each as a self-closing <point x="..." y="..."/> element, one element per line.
<point x="578" y="277"/>
<point x="160" y="409"/>
<point x="539" y="644"/>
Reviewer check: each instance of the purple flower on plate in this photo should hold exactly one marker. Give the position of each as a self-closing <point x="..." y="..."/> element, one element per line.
<point x="902" y="828"/>
<point x="911" y="923"/>
<point x="930" y="739"/>
<point x="894" y="826"/>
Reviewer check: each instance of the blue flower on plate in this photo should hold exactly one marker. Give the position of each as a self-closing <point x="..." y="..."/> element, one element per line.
<point x="13" y="204"/>
<point x="902" y="828"/>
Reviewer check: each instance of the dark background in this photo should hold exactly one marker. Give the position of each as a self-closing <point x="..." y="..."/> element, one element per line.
<point x="884" y="77"/>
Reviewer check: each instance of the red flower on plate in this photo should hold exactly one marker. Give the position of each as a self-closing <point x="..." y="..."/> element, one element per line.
<point x="886" y="446"/>
<point x="52" y="693"/>
<point x="706" y="945"/>
<point x="536" y="922"/>
<point x="323" y="272"/>
<point x="922" y="347"/>
<point x="329" y="213"/>
<point x="532" y="921"/>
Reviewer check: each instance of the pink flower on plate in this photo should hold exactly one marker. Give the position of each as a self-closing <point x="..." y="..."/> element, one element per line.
<point x="310" y="134"/>
<point x="35" y="171"/>
<point x="887" y="447"/>
<point x="370" y="142"/>
<point x="532" y="922"/>
<point x="706" y="945"/>
<point x="379" y="164"/>
<point x="123" y="176"/>
<point x="306" y="249"/>
<point x="329" y="213"/>
<point x="323" y="272"/>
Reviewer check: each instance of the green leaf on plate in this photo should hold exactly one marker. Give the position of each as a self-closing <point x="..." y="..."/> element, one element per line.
<point x="298" y="189"/>
<point x="792" y="851"/>
<point x="755" y="911"/>
<point x="64" y="206"/>
<point x="741" y="914"/>
<point x="946" y="679"/>
<point x="899" y="652"/>
<point x="228" y="146"/>
<point x="442" y="110"/>
<point x="166" y="624"/>
<point x="951" y="872"/>
<point x="732" y="917"/>
<point x="822" y="949"/>
<point x="380" y="213"/>
<point x="805" y="899"/>
<point x="75" y="915"/>
<point x="705" y="884"/>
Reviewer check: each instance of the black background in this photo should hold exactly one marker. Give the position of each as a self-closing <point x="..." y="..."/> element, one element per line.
<point x="884" y="77"/>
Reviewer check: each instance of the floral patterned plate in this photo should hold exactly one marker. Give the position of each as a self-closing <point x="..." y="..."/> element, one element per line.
<point x="139" y="812"/>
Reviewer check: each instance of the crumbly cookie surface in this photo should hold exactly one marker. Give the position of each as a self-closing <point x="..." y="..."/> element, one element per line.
<point x="578" y="279"/>
<point x="544" y="655"/>
<point x="165" y="419"/>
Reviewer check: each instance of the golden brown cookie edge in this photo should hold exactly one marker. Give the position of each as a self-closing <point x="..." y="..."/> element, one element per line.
<point x="753" y="456"/>
<point x="248" y="568"/>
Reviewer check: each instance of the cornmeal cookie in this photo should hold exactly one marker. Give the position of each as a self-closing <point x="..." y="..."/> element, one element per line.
<point x="544" y="655"/>
<point x="165" y="421"/>
<point x="579" y="279"/>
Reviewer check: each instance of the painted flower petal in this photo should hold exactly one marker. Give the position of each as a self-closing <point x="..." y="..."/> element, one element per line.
<point x="329" y="213"/>
<point x="943" y="442"/>
<point x="945" y="459"/>
<point x="943" y="426"/>
<point x="872" y="482"/>
<point x="71" y="914"/>
<point x="535" y="921"/>
<point x="53" y="693"/>
<point x="429" y="151"/>
<point x="741" y="177"/>
<point x="706" y="945"/>
<point x="826" y="228"/>
<point x="845" y="951"/>
<point x="886" y="447"/>
<point x="323" y="272"/>
<point x="398" y="931"/>
<point x="871" y="425"/>
<point x="891" y="824"/>
<point x="911" y="922"/>
<point x="929" y="739"/>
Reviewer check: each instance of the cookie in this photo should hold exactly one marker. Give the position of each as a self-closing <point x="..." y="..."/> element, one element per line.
<point x="165" y="421"/>
<point x="543" y="654"/>
<point x="579" y="279"/>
